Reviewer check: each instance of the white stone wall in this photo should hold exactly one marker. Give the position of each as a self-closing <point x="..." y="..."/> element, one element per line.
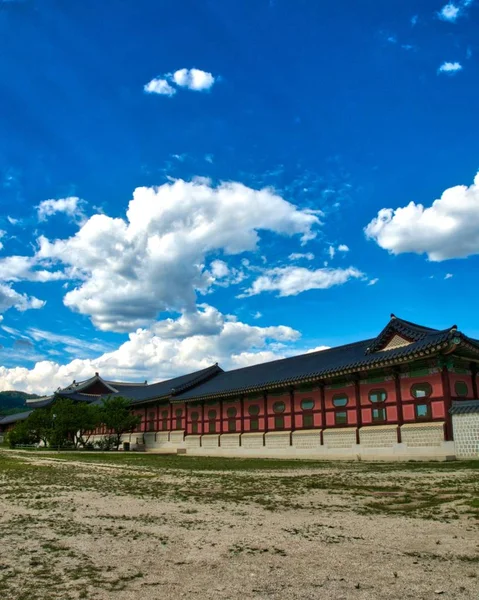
<point x="307" y="439"/>
<point x="177" y="437"/>
<point x="210" y="441"/>
<point x="193" y="441"/>
<point x="230" y="441"/>
<point x="379" y="436"/>
<point x="252" y="441"/>
<point x="277" y="439"/>
<point x="466" y="434"/>
<point x="343" y="437"/>
<point x="423" y="434"/>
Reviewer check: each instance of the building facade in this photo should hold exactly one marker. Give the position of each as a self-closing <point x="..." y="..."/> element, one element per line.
<point x="401" y="395"/>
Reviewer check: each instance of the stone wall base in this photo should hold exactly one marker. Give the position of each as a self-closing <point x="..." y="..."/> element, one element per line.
<point x="378" y="443"/>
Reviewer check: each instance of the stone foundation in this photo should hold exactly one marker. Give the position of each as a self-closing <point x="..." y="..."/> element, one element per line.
<point x="343" y="437"/>
<point x="379" y="436"/>
<point x="420" y="441"/>
<point x="419" y="435"/>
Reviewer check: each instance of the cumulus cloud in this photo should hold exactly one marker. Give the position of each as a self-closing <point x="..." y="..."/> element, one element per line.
<point x="72" y="207"/>
<point x="299" y="255"/>
<point x="173" y="348"/>
<point x="343" y="248"/>
<point x="193" y="79"/>
<point x="131" y="270"/>
<point x="449" y="12"/>
<point x="290" y="281"/>
<point x="24" y="268"/>
<point x="449" y="228"/>
<point x="450" y="68"/>
<point x="159" y="86"/>
<point x="9" y="298"/>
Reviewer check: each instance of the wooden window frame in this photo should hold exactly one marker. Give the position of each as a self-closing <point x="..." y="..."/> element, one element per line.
<point x="460" y="381"/>
<point x="341" y="412"/>
<point x="379" y="406"/>
<point x="425" y="384"/>
<point x="377" y="391"/>
<point x="428" y="415"/>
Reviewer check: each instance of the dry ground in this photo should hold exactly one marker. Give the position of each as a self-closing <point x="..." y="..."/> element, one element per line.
<point x="131" y="526"/>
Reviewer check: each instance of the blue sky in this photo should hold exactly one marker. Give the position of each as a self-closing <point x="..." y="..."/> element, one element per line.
<point x="253" y="131"/>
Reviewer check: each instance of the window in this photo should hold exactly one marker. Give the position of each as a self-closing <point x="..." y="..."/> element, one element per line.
<point x="379" y="415"/>
<point x="341" y="417"/>
<point x="423" y="411"/>
<point x="461" y="389"/>
<point x="253" y="412"/>
<point x="194" y="422"/>
<point x="151" y="421"/>
<point x="340" y="400"/>
<point x="421" y="390"/>
<point x="307" y="404"/>
<point x="164" y="420"/>
<point x="376" y="396"/>
<point x="212" y="421"/>
<point x="308" y="418"/>
<point x="231" y="414"/>
<point x="278" y="408"/>
<point x="179" y="415"/>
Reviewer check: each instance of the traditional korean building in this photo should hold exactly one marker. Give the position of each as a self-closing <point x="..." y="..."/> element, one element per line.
<point x="8" y="422"/>
<point x="408" y="393"/>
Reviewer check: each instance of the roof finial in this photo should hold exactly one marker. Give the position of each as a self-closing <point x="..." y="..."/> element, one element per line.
<point x="393" y="316"/>
<point x="454" y="328"/>
<point x="96" y="373"/>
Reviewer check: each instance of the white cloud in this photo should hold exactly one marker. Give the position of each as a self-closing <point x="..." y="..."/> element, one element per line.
<point x="450" y="68"/>
<point x="414" y="20"/>
<point x="257" y="315"/>
<point x="299" y="255"/>
<point x="159" y="86"/>
<point x="72" y="207"/>
<point x="448" y="276"/>
<point x="331" y="252"/>
<point x="318" y="349"/>
<point x="373" y="281"/>
<point x="24" y="268"/>
<point x="290" y="281"/>
<point x="155" y="356"/>
<point x="193" y="79"/>
<point x="131" y="270"/>
<point x="9" y="298"/>
<point x="219" y="269"/>
<point x="449" y="228"/>
<point x="449" y="12"/>
<point x="13" y="221"/>
<point x="343" y="248"/>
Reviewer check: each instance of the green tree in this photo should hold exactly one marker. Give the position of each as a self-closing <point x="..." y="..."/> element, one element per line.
<point x="21" y="434"/>
<point x="39" y="423"/>
<point x="117" y="417"/>
<point x="88" y="418"/>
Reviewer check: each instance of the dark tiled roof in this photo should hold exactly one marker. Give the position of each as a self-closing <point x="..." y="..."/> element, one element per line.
<point x="14" y="418"/>
<point x="40" y="402"/>
<point x="462" y="407"/>
<point x="325" y="363"/>
<point x="142" y="392"/>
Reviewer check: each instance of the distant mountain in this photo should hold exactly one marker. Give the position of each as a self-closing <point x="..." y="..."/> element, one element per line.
<point x="14" y="402"/>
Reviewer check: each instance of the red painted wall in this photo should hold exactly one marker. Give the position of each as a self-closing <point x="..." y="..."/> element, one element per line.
<point x="467" y="379"/>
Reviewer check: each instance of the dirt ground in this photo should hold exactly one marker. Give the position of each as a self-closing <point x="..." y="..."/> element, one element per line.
<point x="102" y="526"/>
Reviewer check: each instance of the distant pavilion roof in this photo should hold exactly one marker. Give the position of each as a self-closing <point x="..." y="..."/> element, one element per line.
<point x="9" y="419"/>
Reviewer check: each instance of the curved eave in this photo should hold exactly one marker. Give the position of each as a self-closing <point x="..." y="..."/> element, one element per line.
<point x="326" y="374"/>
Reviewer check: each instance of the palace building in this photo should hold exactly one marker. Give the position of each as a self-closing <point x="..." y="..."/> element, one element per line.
<point x="409" y="393"/>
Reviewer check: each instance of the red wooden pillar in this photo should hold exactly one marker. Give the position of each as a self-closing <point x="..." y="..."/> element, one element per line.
<point x="171" y="416"/>
<point x="322" y="405"/>
<point x="474" y="379"/>
<point x="203" y="428"/>
<point x="221" y="417"/>
<point x="293" y="416"/>
<point x="357" y="393"/>
<point x="265" y="399"/>
<point x="397" y="387"/>
<point x="241" y="415"/>
<point x="157" y="417"/>
<point x="186" y="418"/>
<point x="145" y="425"/>
<point x="446" y="390"/>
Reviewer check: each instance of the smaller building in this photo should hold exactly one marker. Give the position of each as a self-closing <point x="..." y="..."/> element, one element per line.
<point x="7" y="423"/>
